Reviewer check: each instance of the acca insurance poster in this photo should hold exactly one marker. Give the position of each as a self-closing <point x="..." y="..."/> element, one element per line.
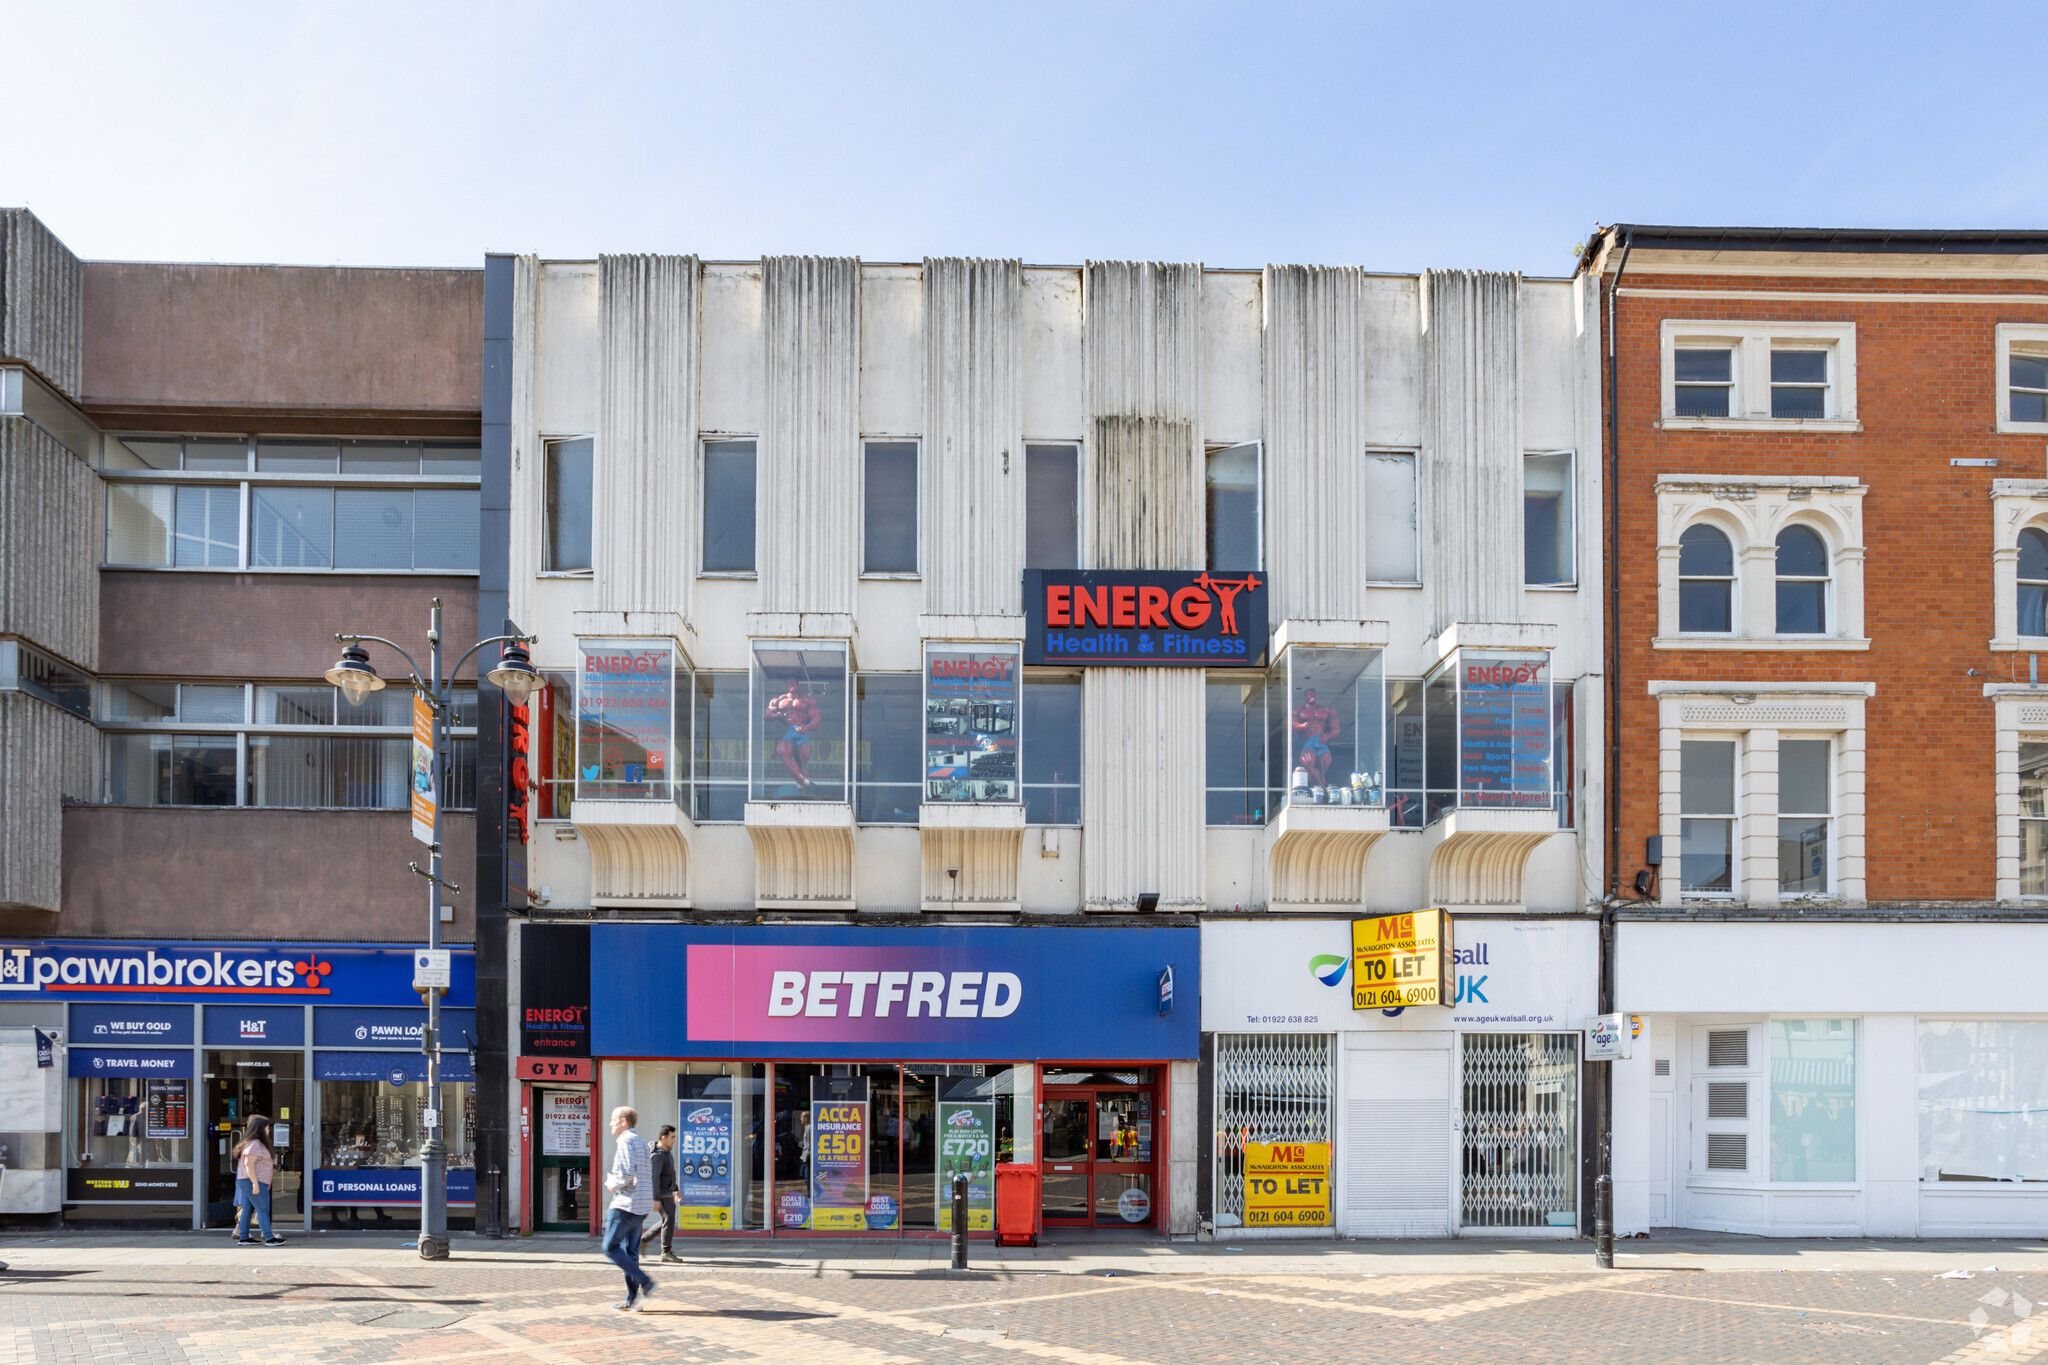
<point x="704" y="1165"/>
<point x="839" y="1153"/>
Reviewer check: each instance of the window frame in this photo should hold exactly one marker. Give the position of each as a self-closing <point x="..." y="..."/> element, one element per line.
<point x="1749" y="396"/>
<point x="1831" y="780"/>
<point x="1212" y="449"/>
<point x="1732" y="820"/>
<point x="1060" y="677"/>
<point x="1568" y="516"/>
<point x="705" y="440"/>
<point x="916" y="571"/>
<point x="1733" y="579"/>
<point x="2027" y="739"/>
<point x="1081" y="520"/>
<point x="1413" y="456"/>
<point x="1828" y="616"/>
<point x="547" y="548"/>
<point x="2029" y="338"/>
<point x="1751" y="511"/>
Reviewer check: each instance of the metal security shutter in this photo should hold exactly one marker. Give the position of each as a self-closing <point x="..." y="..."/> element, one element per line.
<point x="1397" y="1141"/>
<point x="1270" y="1087"/>
<point x="1521" y="1129"/>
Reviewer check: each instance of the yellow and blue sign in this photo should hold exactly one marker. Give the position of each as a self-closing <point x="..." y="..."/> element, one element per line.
<point x="1287" y="1184"/>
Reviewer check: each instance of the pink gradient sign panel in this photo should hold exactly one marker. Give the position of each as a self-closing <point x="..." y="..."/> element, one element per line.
<point x="830" y="994"/>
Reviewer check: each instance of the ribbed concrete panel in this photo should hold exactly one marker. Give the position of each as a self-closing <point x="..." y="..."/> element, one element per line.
<point x="1143" y="342"/>
<point x="50" y="517"/>
<point x="529" y="475"/>
<point x="47" y="755"/>
<point x="644" y="541"/>
<point x="973" y="476"/>
<point x="1317" y="366"/>
<point x="1472" y="445"/>
<point x="1142" y="787"/>
<point x="808" y="477"/>
<point x="42" y="301"/>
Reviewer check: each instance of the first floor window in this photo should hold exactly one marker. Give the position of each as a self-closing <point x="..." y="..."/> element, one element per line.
<point x="888" y="777"/>
<point x="1802" y="569"/>
<point x="1804" y="771"/>
<point x="889" y="492"/>
<point x="718" y="737"/>
<point x="1983" y="1100"/>
<point x="1706" y="803"/>
<point x="1052" y="749"/>
<point x="2033" y="581"/>
<point x="1813" y="1099"/>
<point x="2034" y="816"/>
<point x="1706" y="581"/>
<point x="1234" y="727"/>
<point x="567" y="533"/>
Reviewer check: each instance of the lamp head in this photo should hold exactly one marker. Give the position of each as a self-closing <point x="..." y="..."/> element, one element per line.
<point x="515" y="674"/>
<point x="353" y="674"/>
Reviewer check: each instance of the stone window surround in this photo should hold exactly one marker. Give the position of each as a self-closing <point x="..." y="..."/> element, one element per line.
<point x="2030" y="336"/>
<point x="2021" y="709"/>
<point x="1751" y="511"/>
<point x="1756" y="715"/>
<point x="2016" y="504"/>
<point x="1750" y="399"/>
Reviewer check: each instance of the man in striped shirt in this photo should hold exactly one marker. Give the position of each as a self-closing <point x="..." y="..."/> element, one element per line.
<point x="631" y="1182"/>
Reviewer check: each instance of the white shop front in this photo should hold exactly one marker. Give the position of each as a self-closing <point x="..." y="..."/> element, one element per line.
<point x="1834" y="1078"/>
<point x="1444" y="1121"/>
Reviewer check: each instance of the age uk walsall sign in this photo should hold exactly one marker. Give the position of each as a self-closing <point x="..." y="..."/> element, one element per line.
<point x="1403" y="960"/>
<point x="1144" y="618"/>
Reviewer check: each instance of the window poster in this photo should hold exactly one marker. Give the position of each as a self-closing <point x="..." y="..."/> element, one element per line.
<point x="625" y="707"/>
<point x="967" y="1146"/>
<point x="1504" y="731"/>
<point x="167" y="1111"/>
<point x="704" y="1165"/>
<point x="970" y="725"/>
<point x="839" y="1154"/>
<point x="565" y="1123"/>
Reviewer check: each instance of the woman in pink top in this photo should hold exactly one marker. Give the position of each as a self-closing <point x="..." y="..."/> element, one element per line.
<point x="254" y="1168"/>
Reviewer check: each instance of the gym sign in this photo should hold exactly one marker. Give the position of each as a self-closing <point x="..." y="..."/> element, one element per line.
<point x="1402" y="960"/>
<point x="1144" y="617"/>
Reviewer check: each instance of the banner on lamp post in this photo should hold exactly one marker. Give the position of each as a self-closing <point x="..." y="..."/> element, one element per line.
<point x="424" y="796"/>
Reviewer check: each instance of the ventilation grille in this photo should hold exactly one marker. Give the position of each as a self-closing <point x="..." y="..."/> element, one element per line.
<point x="1728" y="1047"/>
<point x="1727" y="1151"/>
<point x="1663" y="1066"/>
<point x="1727" y="1099"/>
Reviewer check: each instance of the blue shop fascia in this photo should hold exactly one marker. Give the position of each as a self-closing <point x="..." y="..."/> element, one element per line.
<point x="151" y="1055"/>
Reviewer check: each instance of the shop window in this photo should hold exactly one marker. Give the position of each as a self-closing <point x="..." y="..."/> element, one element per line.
<point x="1389" y="507"/>
<point x="1802" y="582"/>
<point x="1052" y="749"/>
<point x="1548" y="552"/>
<point x="1706" y="581"/>
<point x="1270" y="1087"/>
<point x="718" y="727"/>
<point x="889" y="520"/>
<point x="1804" y="779"/>
<point x="2033" y="582"/>
<point x="126" y="1122"/>
<point x="371" y="1136"/>
<point x="1231" y="491"/>
<point x="1234" y="733"/>
<point x="1813" y="1099"/>
<point x="565" y="532"/>
<point x="970" y="729"/>
<point x="1706" y="801"/>
<point x="2034" y="816"/>
<point x="626" y="729"/>
<point x="800" y="730"/>
<point x="1703" y="379"/>
<point x="1052" y="506"/>
<point x="1983" y="1101"/>
<point x="1519" y="1127"/>
<point x="888" y="777"/>
<point x="729" y="507"/>
<point x="721" y="1150"/>
<point x="1335" y="701"/>
<point x="1487" y="733"/>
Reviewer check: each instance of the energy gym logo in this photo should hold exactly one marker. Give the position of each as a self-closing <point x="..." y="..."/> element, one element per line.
<point x="1329" y="969"/>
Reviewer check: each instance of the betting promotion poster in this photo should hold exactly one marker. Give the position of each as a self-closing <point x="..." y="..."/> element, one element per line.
<point x="704" y="1165"/>
<point x="839" y="1163"/>
<point x="424" y="796"/>
<point x="967" y="1146"/>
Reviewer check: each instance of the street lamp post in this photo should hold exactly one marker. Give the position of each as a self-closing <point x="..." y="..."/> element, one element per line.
<point x="355" y="677"/>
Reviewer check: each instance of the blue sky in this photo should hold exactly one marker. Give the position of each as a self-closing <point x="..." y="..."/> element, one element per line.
<point x="1389" y="136"/>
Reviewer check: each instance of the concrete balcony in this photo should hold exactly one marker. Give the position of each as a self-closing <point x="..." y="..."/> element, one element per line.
<point x="803" y="854"/>
<point x="970" y="856"/>
<point x="639" y="853"/>
<point x="1477" y="856"/>
<point x="1315" y="856"/>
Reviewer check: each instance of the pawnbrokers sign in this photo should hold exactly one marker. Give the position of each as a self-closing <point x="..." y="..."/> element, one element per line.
<point x="1126" y="617"/>
<point x="1401" y="960"/>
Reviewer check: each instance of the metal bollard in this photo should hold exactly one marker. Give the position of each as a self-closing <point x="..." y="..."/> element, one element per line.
<point x="1603" y="1222"/>
<point x="959" y="1222"/>
<point x="494" y="1220"/>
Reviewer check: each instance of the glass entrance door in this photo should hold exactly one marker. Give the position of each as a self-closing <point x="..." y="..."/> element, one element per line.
<point x="1097" y="1157"/>
<point x="239" y="1084"/>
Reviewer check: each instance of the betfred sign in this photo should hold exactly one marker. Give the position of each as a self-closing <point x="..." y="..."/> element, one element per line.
<point x="1144" y="618"/>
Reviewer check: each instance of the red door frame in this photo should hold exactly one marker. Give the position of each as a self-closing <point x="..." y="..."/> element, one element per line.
<point x="1159" y="1087"/>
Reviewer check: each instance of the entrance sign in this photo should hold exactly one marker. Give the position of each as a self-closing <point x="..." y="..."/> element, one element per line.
<point x="704" y="1165"/>
<point x="967" y="1146"/>
<point x="424" y="796"/>
<point x="839" y="1154"/>
<point x="1148" y="618"/>
<point x="1403" y="960"/>
<point x="565" y="1123"/>
<point x="1287" y="1184"/>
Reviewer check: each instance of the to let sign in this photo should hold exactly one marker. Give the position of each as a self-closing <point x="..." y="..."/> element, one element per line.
<point x="1401" y="960"/>
<point x="1286" y="1184"/>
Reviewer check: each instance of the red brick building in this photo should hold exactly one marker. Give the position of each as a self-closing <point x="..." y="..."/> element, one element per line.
<point x="1829" y="565"/>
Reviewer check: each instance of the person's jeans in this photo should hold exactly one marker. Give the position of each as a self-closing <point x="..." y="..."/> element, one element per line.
<point x="622" y="1247"/>
<point x="254" y="1199"/>
<point x="665" y="1216"/>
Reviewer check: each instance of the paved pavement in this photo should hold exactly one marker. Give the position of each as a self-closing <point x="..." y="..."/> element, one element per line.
<point x="97" y="1299"/>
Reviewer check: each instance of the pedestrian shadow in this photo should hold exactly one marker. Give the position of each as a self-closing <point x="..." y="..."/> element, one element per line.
<point x="745" y="1314"/>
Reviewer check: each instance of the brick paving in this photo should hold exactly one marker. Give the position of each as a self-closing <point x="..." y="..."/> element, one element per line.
<point x="561" y="1314"/>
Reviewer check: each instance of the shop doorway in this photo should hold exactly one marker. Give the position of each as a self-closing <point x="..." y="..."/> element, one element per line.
<point x="238" y="1084"/>
<point x="1097" y="1155"/>
<point x="561" y="1167"/>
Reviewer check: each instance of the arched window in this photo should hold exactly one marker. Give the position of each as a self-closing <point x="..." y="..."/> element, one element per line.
<point x="1802" y="582"/>
<point x="1706" y="582"/>
<point x="2033" y="581"/>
